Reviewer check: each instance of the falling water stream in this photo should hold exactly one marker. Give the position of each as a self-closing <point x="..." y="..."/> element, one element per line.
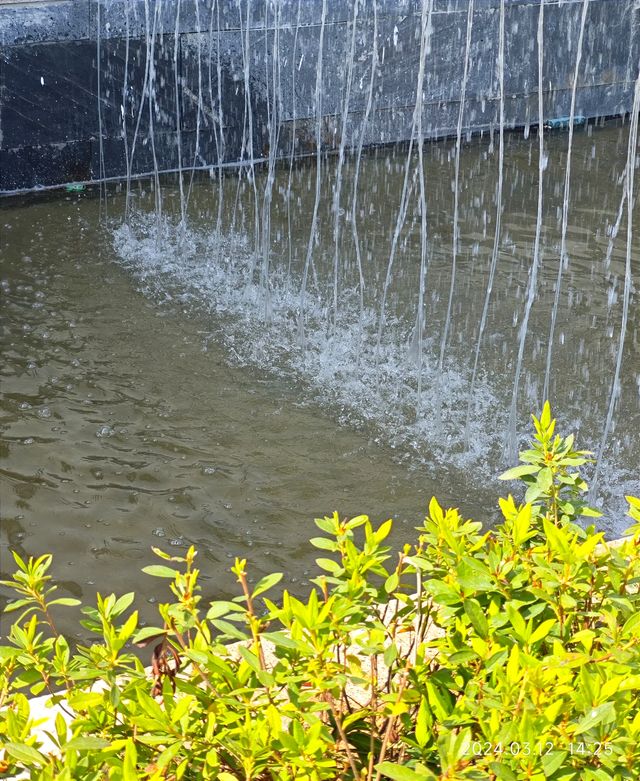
<point x="218" y="357"/>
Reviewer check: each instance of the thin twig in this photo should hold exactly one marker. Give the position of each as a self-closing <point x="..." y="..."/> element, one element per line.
<point x="196" y="666"/>
<point x="391" y="720"/>
<point x="343" y="736"/>
<point x="373" y="706"/>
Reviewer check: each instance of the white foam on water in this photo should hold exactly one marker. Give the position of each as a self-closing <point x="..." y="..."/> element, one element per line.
<point x="342" y="366"/>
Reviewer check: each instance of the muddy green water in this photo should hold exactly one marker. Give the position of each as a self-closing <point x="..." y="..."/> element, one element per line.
<point x="137" y="415"/>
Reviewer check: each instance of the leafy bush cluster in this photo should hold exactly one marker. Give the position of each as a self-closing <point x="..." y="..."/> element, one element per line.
<point x="505" y="654"/>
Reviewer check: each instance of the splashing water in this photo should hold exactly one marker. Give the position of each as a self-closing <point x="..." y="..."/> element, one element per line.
<point x="439" y="336"/>
<point x="348" y="367"/>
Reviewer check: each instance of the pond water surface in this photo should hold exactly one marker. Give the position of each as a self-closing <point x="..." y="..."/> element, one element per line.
<point x="146" y="401"/>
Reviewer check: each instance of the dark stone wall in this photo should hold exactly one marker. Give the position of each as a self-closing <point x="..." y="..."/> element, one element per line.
<point x="93" y="89"/>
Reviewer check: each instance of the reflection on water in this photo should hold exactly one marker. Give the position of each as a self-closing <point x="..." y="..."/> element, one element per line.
<point x="146" y="402"/>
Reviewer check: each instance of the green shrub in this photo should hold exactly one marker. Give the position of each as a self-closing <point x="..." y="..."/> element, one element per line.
<point x="505" y="654"/>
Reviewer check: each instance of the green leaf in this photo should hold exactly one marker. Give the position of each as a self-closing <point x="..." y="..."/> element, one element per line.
<point x="25" y="754"/>
<point x="17" y="603"/>
<point x="596" y="774"/>
<point x="356" y="521"/>
<point x="67" y="601"/>
<point x="423" y="723"/>
<point x="328" y="525"/>
<point x="435" y="511"/>
<point x="223" y="608"/>
<point x="516" y="620"/>
<point x="602" y="713"/>
<point x="631" y="682"/>
<point x="442" y="593"/>
<point x="329" y="565"/>
<point x="460" y="657"/>
<point x="519" y="471"/>
<point x="125" y="601"/>
<point x="542" y="631"/>
<point x="390" y="654"/>
<point x="250" y="658"/>
<point x="473" y="575"/>
<point x="166" y="756"/>
<point x="391" y="583"/>
<point x="264" y="584"/>
<point x="61" y="728"/>
<point x="502" y="772"/>
<point x="324" y="543"/>
<point x="568" y="602"/>
<point x="21" y="565"/>
<point x="631" y="625"/>
<point x="477" y="617"/>
<point x="86" y="743"/>
<point x="532" y="494"/>
<point x="166" y="556"/>
<point x="160" y="571"/>
<point x="281" y="639"/>
<point x="229" y="629"/>
<point x="146" y="632"/>
<point x="553" y="761"/>
<point x="556" y="538"/>
<point x="439" y="701"/>
<point x="545" y="479"/>
<point x="522" y="524"/>
<point x="129" y="766"/>
<point x="383" y="531"/>
<point x="403" y="773"/>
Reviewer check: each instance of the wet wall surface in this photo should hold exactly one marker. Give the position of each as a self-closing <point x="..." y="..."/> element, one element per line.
<point x="93" y="89"/>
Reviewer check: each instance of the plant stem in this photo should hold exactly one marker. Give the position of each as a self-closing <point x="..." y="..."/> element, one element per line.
<point x="391" y="720"/>
<point x="343" y="737"/>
